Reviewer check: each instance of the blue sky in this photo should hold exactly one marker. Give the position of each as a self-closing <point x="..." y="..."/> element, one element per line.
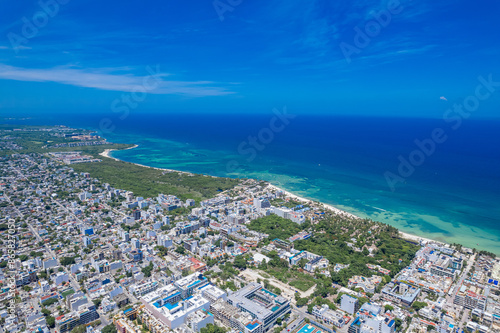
<point x="255" y="56"/>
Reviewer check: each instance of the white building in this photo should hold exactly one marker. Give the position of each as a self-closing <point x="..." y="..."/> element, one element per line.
<point x="349" y="304"/>
<point x="329" y="316"/>
<point x="199" y="319"/>
<point x="174" y="315"/>
<point x="49" y="263"/>
<point x="108" y="304"/>
<point x="164" y="240"/>
<point x="61" y="278"/>
<point x="143" y="287"/>
<point x="86" y="241"/>
<point x="84" y="196"/>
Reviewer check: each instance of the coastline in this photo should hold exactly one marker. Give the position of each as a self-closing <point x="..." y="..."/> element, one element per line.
<point x="417" y="239"/>
<point x="107" y="153"/>
<point x="335" y="210"/>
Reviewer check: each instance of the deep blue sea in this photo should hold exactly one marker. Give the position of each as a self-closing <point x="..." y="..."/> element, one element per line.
<point x="451" y="194"/>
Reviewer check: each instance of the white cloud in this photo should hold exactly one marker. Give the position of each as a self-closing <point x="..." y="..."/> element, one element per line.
<point x="20" y="47"/>
<point x="107" y="79"/>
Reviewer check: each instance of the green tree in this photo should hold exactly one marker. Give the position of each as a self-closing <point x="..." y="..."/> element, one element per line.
<point x="36" y="254"/>
<point x="275" y="226"/>
<point x="79" y="329"/>
<point x="109" y="329"/>
<point x="398" y="322"/>
<point x="148" y="269"/>
<point x="240" y="262"/>
<point x="97" y="302"/>
<point x="65" y="261"/>
<point x="180" y="250"/>
<point x="210" y="328"/>
<point x="418" y="305"/>
<point x="302" y="301"/>
<point x="51" y="321"/>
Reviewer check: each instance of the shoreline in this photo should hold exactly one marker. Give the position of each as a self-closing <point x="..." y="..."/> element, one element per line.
<point x="107" y="153"/>
<point x="302" y="199"/>
<point x="335" y="210"/>
<point x="418" y="239"/>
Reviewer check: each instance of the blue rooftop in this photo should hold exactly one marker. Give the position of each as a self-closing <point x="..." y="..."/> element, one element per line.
<point x="193" y="284"/>
<point x="171" y="306"/>
<point x="252" y="326"/>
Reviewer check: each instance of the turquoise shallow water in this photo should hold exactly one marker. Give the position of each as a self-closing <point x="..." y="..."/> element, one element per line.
<point x="453" y="196"/>
<point x="438" y="219"/>
<point x="443" y="200"/>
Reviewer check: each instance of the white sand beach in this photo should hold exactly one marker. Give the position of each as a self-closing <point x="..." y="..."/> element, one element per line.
<point x="335" y="210"/>
<point x="301" y="199"/>
<point x="107" y="153"/>
<point x="417" y="239"/>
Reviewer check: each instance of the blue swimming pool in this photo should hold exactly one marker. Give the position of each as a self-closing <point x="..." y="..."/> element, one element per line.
<point x="306" y="329"/>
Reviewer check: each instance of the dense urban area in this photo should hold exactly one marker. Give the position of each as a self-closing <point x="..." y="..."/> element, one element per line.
<point x="93" y="244"/>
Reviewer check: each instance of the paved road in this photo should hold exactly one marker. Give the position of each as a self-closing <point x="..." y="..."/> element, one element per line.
<point x="457" y="285"/>
<point x="73" y="282"/>
<point x="294" y="324"/>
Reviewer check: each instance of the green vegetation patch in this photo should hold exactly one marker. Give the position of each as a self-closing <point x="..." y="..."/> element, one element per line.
<point x="279" y="269"/>
<point x="67" y="293"/>
<point x="275" y="226"/>
<point x="294" y="278"/>
<point x="49" y="301"/>
<point x="149" y="182"/>
<point x="143" y="181"/>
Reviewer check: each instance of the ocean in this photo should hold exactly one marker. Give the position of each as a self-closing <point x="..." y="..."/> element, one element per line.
<point x="419" y="175"/>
